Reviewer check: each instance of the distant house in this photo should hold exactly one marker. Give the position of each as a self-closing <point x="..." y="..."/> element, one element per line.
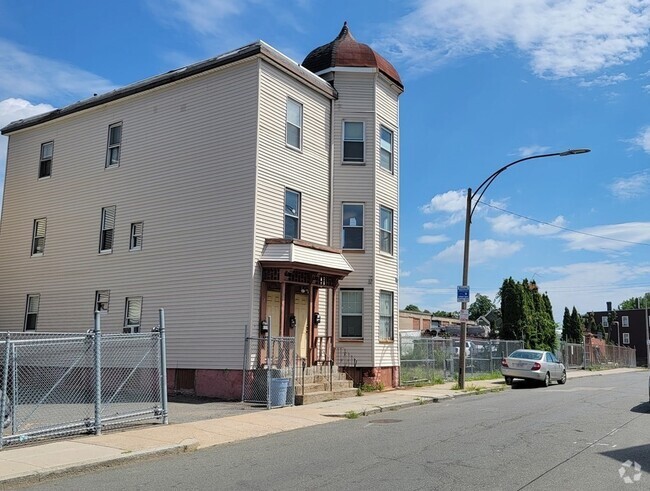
<point x="428" y="325"/>
<point x="629" y="329"/>
<point x="236" y="189"/>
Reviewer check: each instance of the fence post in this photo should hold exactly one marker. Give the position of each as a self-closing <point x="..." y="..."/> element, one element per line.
<point x="98" y="375"/>
<point x="163" y="367"/>
<point x="3" y="399"/>
<point x="246" y="360"/>
<point x="268" y="365"/>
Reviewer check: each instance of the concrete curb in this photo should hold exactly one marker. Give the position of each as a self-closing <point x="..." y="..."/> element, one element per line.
<point x="33" y="477"/>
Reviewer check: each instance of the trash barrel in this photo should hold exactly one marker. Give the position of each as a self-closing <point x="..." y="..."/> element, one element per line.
<point x="279" y="388"/>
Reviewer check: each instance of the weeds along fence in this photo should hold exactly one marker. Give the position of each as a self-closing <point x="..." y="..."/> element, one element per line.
<point x="435" y="360"/>
<point x="56" y="384"/>
<point x="590" y="356"/>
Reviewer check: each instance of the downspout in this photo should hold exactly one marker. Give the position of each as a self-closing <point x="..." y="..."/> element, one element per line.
<point x="332" y="316"/>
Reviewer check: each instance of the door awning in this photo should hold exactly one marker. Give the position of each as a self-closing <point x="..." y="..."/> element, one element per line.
<point x="300" y="254"/>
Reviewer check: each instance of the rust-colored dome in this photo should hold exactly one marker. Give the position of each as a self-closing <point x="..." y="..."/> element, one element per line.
<point x="346" y="51"/>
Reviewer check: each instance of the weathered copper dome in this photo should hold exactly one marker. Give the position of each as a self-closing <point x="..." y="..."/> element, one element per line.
<point x="345" y="51"/>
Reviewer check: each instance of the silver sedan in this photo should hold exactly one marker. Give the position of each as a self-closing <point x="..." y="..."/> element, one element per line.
<point x="536" y="365"/>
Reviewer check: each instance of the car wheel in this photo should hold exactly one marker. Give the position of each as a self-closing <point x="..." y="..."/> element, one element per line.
<point x="547" y="380"/>
<point x="508" y="380"/>
<point x="563" y="379"/>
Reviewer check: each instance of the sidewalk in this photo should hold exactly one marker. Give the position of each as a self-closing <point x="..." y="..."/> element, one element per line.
<point x="33" y="463"/>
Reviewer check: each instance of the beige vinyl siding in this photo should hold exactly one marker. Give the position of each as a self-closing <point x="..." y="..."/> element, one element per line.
<point x="187" y="171"/>
<point x="280" y="166"/>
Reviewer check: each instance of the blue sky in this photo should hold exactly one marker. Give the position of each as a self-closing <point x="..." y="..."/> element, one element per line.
<point x="487" y="82"/>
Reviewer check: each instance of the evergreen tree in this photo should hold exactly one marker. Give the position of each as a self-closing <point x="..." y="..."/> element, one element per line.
<point x="566" y="325"/>
<point x="574" y="334"/>
<point x="412" y="308"/>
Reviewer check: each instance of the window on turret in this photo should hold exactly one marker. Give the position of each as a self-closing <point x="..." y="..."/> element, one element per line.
<point x="386" y="150"/>
<point x="386" y="229"/>
<point x="353" y="142"/>
<point x="291" y="214"/>
<point x="352" y="234"/>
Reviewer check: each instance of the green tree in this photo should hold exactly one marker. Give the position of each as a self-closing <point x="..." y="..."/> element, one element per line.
<point x="481" y="306"/>
<point x="566" y="324"/>
<point x="575" y="327"/>
<point x="442" y="313"/>
<point x="412" y="308"/>
<point x="635" y="302"/>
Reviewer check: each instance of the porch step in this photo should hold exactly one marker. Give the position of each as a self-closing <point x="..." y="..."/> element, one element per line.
<point x="317" y="378"/>
<point x="325" y="395"/>
<point x="322" y="386"/>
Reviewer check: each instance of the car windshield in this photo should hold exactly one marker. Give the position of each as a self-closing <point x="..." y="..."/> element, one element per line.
<point x="526" y="355"/>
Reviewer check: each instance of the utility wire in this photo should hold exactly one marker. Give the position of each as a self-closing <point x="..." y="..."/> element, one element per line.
<point x="564" y="228"/>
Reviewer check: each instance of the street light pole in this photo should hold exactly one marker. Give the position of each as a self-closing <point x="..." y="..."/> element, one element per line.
<point x="468" y="221"/>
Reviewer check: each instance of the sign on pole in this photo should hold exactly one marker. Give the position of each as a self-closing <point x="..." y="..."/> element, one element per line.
<point x="462" y="294"/>
<point x="464" y="315"/>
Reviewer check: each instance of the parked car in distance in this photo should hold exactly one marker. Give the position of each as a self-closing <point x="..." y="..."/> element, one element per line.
<point x="469" y="348"/>
<point x="536" y="365"/>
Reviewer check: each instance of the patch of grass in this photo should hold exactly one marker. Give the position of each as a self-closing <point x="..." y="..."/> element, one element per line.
<point x="359" y="392"/>
<point x="468" y="388"/>
<point x="352" y="414"/>
<point x="483" y="376"/>
<point x="376" y="387"/>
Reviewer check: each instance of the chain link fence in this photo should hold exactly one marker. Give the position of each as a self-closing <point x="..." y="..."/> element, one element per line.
<point x="56" y="384"/>
<point x="575" y="355"/>
<point x="269" y="371"/>
<point x="435" y="360"/>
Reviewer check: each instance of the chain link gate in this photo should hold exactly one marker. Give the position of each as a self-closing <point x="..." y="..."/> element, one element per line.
<point x="269" y="373"/>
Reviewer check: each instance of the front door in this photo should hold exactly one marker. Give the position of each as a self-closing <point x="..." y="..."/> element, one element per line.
<point x="302" y="315"/>
<point x="273" y="311"/>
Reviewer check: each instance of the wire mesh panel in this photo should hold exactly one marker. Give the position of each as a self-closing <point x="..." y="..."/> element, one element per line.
<point x="58" y="384"/>
<point x="269" y="371"/>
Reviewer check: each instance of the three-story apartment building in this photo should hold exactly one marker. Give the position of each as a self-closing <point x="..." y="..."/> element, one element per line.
<point x="238" y="189"/>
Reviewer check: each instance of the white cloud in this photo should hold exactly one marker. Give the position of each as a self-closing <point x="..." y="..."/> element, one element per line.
<point x="31" y="76"/>
<point x="631" y="187"/>
<point x="432" y="239"/>
<point x="510" y="224"/>
<point x="203" y="16"/>
<point x="428" y="281"/>
<point x="404" y="274"/>
<point x="532" y="150"/>
<point x="623" y="235"/>
<point x="646" y="88"/>
<point x="481" y="251"/>
<point x="604" y="80"/>
<point x="453" y="203"/>
<point x="643" y="139"/>
<point x="562" y="38"/>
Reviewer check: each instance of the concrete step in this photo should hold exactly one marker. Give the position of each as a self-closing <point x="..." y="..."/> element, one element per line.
<point x="323" y="386"/>
<point x="325" y="395"/>
<point x="315" y="379"/>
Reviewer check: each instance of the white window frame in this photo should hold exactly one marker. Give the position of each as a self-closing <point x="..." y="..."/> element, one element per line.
<point x="386" y="235"/>
<point x="113" y="147"/>
<point x="626" y="338"/>
<point x="625" y="321"/>
<point x="107" y="229"/>
<point x="135" y="237"/>
<point x="604" y="321"/>
<point x="133" y="305"/>
<point x="355" y="314"/>
<point x="46" y="161"/>
<point x="291" y="213"/>
<point x="386" y="333"/>
<point x="346" y="139"/>
<point x="102" y="301"/>
<point x="38" y="236"/>
<point x="294" y="124"/>
<point x="355" y="226"/>
<point x="386" y="148"/>
<point x="31" y="308"/>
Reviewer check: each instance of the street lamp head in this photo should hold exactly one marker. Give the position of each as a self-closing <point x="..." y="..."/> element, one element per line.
<point x="575" y="151"/>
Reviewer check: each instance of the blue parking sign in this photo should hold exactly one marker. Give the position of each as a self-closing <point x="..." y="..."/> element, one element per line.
<point x="462" y="294"/>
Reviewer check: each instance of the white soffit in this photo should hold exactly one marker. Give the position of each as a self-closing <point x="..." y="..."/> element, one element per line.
<point x="308" y="256"/>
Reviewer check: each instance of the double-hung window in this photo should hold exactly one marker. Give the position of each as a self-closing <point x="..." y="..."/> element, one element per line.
<point x="31" y="312"/>
<point x="114" y="144"/>
<point x="626" y="338"/>
<point x="386" y="229"/>
<point x="291" y="214"/>
<point x="294" y="124"/>
<point x="38" y="237"/>
<point x="386" y="149"/>
<point x="353" y="142"/>
<point x="45" y="163"/>
<point x="604" y="321"/>
<point x="625" y="321"/>
<point x="107" y="229"/>
<point x="102" y="298"/>
<point x="385" y="316"/>
<point x="135" y="242"/>
<point x="352" y="233"/>
<point x="132" y="314"/>
<point x="351" y="313"/>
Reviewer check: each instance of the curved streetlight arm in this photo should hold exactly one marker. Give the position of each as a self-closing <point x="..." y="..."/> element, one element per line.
<point x="486" y="184"/>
